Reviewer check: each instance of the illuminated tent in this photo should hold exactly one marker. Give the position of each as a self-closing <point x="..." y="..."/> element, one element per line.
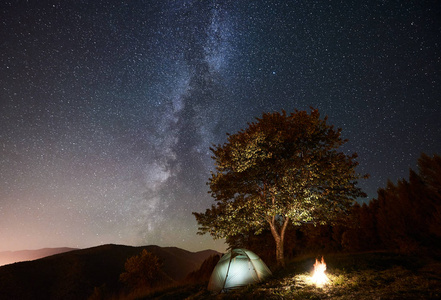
<point x="237" y="268"/>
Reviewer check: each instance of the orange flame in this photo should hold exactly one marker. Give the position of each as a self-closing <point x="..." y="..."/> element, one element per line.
<point x="319" y="277"/>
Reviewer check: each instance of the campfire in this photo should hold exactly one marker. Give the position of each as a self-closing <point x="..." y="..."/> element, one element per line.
<point x="319" y="277"/>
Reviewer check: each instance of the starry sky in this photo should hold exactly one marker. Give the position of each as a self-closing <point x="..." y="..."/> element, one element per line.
<point x="108" y="108"/>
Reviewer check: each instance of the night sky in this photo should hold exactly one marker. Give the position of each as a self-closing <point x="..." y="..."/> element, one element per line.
<point x="108" y="108"/>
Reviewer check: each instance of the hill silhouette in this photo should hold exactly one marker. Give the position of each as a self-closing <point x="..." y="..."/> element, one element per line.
<point x="9" y="257"/>
<point x="75" y="274"/>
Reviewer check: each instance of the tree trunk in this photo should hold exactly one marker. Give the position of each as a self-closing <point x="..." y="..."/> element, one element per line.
<point x="280" y="256"/>
<point x="279" y="238"/>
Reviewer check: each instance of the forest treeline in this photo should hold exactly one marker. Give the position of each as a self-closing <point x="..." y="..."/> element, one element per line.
<point x="405" y="217"/>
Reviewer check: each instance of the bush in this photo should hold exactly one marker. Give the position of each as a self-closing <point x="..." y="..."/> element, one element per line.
<point x="143" y="270"/>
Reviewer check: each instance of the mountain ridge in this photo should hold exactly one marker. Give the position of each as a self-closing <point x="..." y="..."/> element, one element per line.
<point x="75" y="274"/>
<point x="10" y="257"/>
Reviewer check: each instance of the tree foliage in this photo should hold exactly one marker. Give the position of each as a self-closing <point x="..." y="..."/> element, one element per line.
<point x="409" y="213"/>
<point x="281" y="168"/>
<point x="143" y="270"/>
<point x="405" y="217"/>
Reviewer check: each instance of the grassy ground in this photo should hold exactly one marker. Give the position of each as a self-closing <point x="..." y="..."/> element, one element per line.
<point x="353" y="276"/>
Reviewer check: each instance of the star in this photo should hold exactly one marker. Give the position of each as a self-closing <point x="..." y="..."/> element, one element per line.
<point x="109" y="108"/>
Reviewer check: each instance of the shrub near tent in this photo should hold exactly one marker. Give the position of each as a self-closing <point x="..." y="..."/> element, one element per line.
<point x="237" y="268"/>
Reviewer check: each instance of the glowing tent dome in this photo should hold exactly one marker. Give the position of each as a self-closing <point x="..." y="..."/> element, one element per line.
<point x="237" y="268"/>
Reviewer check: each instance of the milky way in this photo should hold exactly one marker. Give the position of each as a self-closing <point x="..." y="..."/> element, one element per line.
<point x="108" y="108"/>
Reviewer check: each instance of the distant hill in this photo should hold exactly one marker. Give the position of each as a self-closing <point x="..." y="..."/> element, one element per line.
<point x="9" y="257"/>
<point x="75" y="274"/>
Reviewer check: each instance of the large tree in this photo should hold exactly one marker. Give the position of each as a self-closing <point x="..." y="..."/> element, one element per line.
<point x="280" y="169"/>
